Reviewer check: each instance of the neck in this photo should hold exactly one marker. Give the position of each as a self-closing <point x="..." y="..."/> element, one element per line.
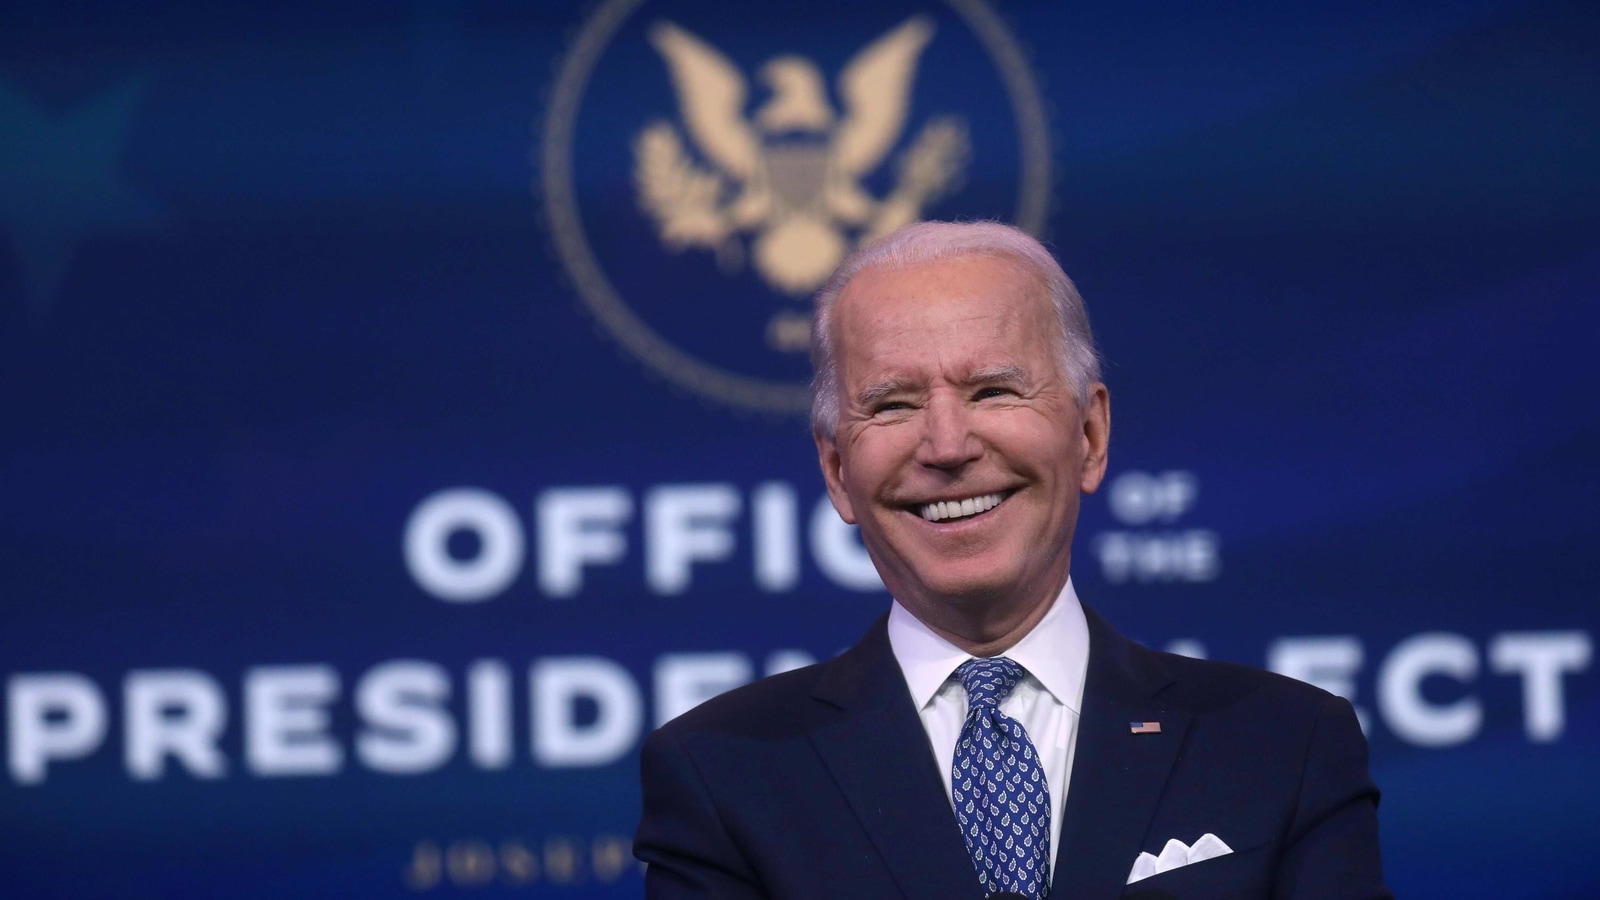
<point x="985" y="627"/>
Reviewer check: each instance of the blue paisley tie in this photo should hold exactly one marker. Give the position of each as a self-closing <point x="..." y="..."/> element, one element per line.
<point x="998" y="784"/>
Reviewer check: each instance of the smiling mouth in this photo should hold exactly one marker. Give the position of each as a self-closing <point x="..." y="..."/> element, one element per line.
<point x="955" y="510"/>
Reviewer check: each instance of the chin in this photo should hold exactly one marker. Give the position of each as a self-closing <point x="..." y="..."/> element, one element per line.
<point x="964" y="588"/>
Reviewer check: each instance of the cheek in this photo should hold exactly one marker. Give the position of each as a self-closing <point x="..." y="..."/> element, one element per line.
<point x="1035" y="442"/>
<point x="873" y="460"/>
<point x="858" y="479"/>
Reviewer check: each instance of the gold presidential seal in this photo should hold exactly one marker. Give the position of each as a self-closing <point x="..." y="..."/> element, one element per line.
<point x="739" y="203"/>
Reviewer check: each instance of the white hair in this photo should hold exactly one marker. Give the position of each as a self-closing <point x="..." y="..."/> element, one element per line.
<point x="926" y="242"/>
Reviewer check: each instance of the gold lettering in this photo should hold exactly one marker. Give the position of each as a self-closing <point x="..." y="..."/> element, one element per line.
<point x="470" y="863"/>
<point x="611" y="856"/>
<point x="516" y="862"/>
<point x="423" y="872"/>
<point x="561" y="860"/>
<point x="518" y="865"/>
<point x="789" y="332"/>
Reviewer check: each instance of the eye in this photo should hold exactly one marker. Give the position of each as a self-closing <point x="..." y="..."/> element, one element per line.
<point x="890" y="406"/>
<point x="990" y="393"/>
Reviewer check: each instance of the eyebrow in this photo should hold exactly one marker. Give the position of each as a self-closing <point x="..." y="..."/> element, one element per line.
<point x="1003" y="374"/>
<point x="880" y="390"/>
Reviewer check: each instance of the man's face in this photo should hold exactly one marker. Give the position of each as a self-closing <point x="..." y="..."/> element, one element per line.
<point x="961" y="448"/>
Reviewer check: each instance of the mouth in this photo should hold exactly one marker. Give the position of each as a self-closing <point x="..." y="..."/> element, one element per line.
<point x="958" y="510"/>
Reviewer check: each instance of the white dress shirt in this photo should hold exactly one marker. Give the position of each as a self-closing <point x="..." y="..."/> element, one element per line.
<point x="1047" y="701"/>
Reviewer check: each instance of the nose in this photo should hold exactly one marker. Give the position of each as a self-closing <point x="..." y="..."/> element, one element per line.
<point x="948" y="441"/>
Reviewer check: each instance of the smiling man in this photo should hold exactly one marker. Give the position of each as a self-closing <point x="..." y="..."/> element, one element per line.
<point x="991" y="734"/>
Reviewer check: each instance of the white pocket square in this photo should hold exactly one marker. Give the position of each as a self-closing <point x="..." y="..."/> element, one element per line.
<point x="1177" y="854"/>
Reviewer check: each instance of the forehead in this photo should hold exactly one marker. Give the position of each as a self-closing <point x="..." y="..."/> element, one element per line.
<point x="975" y="310"/>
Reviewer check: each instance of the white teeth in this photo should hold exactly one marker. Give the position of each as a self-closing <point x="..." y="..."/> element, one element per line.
<point x="950" y="509"/>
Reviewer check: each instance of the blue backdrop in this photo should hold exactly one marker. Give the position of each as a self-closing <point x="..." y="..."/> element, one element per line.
<point x="400" y="401"/>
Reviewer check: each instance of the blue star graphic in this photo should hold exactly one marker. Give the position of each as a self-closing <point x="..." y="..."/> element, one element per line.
<point x="61" y="181"/>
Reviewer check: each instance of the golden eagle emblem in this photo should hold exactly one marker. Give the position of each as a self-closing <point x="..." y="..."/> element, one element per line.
<point x="790" y="174"/>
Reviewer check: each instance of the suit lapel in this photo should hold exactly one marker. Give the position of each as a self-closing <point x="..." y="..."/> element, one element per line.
<point x="1117" y="776"/>
<point x="877" y="751"/>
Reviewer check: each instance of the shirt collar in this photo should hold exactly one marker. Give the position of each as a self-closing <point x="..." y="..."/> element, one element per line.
<point x="1055" y="652"/>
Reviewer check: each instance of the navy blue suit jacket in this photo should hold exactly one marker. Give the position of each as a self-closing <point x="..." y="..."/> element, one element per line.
<point x="820" y="784"/>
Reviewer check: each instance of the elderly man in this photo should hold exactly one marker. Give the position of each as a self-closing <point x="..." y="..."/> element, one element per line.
<point x="991" y="734"/>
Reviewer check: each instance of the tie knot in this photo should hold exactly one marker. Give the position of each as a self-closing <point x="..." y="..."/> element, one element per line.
<point x="989" y="681"/>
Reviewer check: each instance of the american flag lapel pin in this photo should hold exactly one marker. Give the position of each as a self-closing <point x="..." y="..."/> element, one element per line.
<point x="1145" y="727"/>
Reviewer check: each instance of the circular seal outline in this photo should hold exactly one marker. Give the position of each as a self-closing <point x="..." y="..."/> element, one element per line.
<point x="566" y="227"/>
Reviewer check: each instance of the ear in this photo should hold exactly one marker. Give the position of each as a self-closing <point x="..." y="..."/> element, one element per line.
<point x="833" y="475"/>
<point x="1096" y="437"/>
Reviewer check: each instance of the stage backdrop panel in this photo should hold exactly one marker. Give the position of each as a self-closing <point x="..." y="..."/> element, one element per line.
<point x="402" y="405"/>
